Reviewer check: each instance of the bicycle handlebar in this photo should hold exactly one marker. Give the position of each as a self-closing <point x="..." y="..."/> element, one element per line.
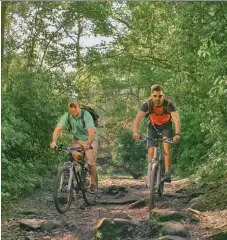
<point x="167" y="140"/>
<point x="61" y="148"/>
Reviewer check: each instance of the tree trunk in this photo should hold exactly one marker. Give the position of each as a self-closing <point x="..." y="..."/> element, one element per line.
<point x="80" y="30"/>
<point x="3" y="23"/>
<point x="108" y="161"/>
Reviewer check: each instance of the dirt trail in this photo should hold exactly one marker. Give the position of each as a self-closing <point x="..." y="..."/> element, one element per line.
<point x="81" y="221"/>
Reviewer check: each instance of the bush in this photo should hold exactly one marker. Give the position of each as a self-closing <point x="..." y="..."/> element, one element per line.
<point x="129" y="152"/>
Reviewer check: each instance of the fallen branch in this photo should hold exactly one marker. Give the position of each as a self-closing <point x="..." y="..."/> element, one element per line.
<point x="109" y="161"/>
<point x="139" y="203"/>
<point x="194" y="211"/>
<point x="221" y="226"/>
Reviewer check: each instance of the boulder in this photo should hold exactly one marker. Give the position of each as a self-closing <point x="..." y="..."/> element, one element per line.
<point x="111" y="229"/>
<point x="164" y="215"/>
<point x="31" y="224"/>
<point x="175" y="229"/>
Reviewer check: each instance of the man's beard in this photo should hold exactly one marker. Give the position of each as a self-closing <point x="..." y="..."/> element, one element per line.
<point x="157" y="103"/>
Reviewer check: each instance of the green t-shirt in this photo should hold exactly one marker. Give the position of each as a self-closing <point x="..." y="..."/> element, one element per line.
<point x="79" y="132"/>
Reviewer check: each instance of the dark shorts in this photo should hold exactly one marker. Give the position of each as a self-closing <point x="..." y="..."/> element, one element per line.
<point x="166" y="130"/>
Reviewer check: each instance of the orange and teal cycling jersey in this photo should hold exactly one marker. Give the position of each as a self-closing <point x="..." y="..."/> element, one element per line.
<point x="157" y="115"/>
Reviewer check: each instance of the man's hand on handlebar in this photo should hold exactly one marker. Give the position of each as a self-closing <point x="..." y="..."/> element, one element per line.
<point x="136" y="136"/>
<point x="87" y="147"/>
<point x="176" y="139"/>
<point x="53" y="145"/>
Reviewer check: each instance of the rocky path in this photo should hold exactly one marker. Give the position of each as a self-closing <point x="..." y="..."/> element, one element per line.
<point x="80" y="222"/>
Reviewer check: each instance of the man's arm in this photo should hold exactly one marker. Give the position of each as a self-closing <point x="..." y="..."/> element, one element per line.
<point x="176" y="119"/>
<point x="55" y="136"/>
<point x="90" y="128"/>
<point x="91" y="135"/>
<point x="140" y="115"/>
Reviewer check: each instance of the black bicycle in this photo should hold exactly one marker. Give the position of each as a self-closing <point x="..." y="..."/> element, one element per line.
<point x="156" y="169"/>
<point x="72" y="179"/>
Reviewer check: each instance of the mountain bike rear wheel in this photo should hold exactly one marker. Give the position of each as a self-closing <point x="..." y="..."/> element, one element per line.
<point x="89" y="198"/>
<point x="63" y="193"/>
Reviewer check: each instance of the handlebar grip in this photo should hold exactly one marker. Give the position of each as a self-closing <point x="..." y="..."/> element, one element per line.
<point x="55" y="148"/>
<point x="168" y="141"/>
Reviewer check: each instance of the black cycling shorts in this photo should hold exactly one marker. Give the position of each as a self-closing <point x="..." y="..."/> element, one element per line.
<point x="166" y="130"/>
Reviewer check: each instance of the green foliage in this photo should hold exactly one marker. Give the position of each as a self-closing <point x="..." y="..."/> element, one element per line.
<point x="28" y="117"/>
<point x="154" y="226"/>
<point x="216" y="170"/>
<point x="19" y="177"/>
<point x="179" y="45"/>
<point x="128" y="152"/>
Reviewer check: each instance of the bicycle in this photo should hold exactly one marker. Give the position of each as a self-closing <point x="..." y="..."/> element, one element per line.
<point x="156" y="170"/>
<point x="74" y="175"/>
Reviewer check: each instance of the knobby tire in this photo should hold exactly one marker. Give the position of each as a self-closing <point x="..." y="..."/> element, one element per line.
<point x="160" y="176"/>
<point x="89" y="198"/>
<point x="152" y="185"/>
<point x="58" y="201"/>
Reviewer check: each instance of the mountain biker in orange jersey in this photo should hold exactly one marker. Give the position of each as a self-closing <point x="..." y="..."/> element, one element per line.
<point x="161" y="112"/>
<point x="86" y="136"/>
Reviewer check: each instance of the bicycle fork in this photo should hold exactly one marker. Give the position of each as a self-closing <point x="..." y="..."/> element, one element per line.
<point x="151" y="165"/>
<point x="70" y="181"/>
<point x="72" y="177"/>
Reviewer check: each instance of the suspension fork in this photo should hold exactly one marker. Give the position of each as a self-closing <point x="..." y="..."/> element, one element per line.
<point x="70" y="176"/>
<point x="74" y="174"/>
<point x="155" y="153"/>
<point x="161" y="164"/>
<point x="150" y="166"/>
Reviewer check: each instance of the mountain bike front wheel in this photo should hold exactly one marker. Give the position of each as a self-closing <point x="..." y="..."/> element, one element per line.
<point x="152" y="185"/>
<point x="63" y="190"/>
<point x="160" y="177"/>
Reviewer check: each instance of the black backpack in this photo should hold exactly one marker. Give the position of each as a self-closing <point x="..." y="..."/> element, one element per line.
<point x="93" y="113"/>
<point x="166" y="104"/>
<point x="149" y="102"/>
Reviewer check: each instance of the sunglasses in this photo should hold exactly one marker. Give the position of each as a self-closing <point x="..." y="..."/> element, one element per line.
<point x="157" y="96"/>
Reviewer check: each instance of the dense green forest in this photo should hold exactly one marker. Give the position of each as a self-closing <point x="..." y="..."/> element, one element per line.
<point x="110" y="54"/>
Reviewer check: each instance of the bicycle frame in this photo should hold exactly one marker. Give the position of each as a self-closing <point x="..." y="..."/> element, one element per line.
<point x="73" y="172"/>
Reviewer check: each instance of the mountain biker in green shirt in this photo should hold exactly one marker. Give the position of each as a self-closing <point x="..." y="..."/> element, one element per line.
<point x="86" y="136"/>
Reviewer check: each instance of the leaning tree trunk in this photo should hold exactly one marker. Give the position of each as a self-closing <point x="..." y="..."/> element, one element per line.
<point x="109" y="161"/>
